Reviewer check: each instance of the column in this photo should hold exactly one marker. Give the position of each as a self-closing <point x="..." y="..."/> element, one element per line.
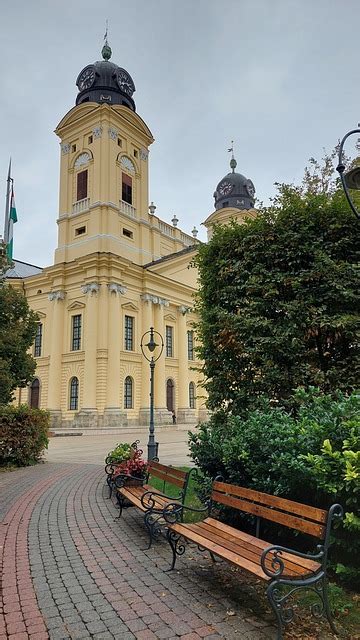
<point x="114" y="414"/>
<point x="88" y="413"/>
<point x="160" y="386"/>
<point x="56" y="325"/>
<point x="184" y="414"/>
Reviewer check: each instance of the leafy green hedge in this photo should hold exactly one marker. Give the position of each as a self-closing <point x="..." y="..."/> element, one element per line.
<point x="311" y="457"/>
<point x="23" y="435"/>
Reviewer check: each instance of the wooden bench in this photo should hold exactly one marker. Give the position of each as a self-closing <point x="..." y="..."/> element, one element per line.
<point x="278" y="566"/>
<point x="148" y="499"/>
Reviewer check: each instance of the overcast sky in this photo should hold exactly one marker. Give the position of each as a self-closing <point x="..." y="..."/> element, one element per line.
<point x="280" y="77"/>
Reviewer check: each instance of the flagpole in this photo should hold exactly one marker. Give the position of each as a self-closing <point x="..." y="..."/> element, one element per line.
<point x="7" y="206"/>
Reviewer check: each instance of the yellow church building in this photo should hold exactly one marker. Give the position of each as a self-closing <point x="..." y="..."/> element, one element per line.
<point x="118" y="270"/>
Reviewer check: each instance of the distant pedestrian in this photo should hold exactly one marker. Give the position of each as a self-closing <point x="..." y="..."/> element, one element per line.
<point x="173" y="416"/>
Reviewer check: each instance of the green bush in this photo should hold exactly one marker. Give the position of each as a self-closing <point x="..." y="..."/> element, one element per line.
<point x="287" y="454"/>
<point x="23" y="435"/>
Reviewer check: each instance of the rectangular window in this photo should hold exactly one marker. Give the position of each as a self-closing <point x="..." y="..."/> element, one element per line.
<point x="169" y="342"/>
<point x="90" y="139"/>
<point x="126" y="188"/>
<point x="119" y="142"/>
<point x="128" y="233"/>
<point x="190" y="336"/>
<point x="80" y="230"/>
<point x="129" y="333"/>
<point x="76" y="333"/>
<point x="82" y="185"/>
<point x="38" y="341"/>
<point x="73" y="148"/>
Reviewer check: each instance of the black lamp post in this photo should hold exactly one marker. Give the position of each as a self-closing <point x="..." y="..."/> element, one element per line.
<point x="151" y="346"/>
<point x="351" y="179"/>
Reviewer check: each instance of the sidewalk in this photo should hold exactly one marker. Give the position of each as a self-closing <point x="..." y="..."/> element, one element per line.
<point x="173" y="446"/>
<point x="72" y="571"/>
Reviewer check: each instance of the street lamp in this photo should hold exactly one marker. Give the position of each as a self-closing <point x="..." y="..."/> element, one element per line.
<point x="151" y="346"/>
<point x="351" y="179"/>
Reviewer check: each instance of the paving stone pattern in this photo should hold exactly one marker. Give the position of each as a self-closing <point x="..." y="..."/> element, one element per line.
<point x="73" y="570"/>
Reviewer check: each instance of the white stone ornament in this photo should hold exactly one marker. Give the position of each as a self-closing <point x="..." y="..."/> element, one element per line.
<point x="65" y="148"/>
<point x="113" y="133"/>
<point x="127" y="164"/>
<point x="82" y="159"/>
<point x="114" y="287"/>
<point x="57" y="295"/>
<point x="91" y="287"/>
<point x="144" y="154"/>
<point x="97" y="132"/>
<point x="183" y="309"/>
<point x="148" y="297"/>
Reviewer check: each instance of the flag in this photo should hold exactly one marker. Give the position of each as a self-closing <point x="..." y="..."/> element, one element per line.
<point x="12" y="220"/>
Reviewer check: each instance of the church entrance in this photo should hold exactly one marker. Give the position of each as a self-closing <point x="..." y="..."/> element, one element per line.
<point x="35" y="393"/>
<point x="170" y="404"/>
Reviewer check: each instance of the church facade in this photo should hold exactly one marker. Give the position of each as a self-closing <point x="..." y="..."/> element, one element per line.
<point x="118" y="270"/>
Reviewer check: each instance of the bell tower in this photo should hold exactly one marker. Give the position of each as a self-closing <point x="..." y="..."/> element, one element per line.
<point x="103" y="167"/>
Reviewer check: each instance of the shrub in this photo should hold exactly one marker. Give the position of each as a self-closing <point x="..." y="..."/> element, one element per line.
<point x="23" y="435"/>
<point x="287" y="454"/>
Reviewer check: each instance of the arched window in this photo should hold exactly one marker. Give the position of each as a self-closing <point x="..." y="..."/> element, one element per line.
<point x="35" y="394"/>
<point x="192" y="395"/>
<point x="128" y="393"/>
<point x="74" y="394"/>
<point x="170" y="404"/>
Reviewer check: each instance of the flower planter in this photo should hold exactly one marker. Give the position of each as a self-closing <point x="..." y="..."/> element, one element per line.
<point x="134" y="482"/>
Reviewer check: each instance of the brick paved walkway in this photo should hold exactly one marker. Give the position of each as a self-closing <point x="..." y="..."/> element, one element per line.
<point x="70" y="570"/>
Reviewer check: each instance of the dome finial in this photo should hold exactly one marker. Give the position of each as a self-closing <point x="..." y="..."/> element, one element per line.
<point x="106" y="50"/>
<point x="233" y="162"/>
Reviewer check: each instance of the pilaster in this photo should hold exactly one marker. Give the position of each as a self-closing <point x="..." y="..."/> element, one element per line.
<point x="113" y="414"/>
<point x="56" y="348"/>
<point x="88" y="414"/>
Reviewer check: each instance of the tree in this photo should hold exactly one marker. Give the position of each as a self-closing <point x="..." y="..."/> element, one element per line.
<point x="278" y="301"/>
<point x="17" y="333"/>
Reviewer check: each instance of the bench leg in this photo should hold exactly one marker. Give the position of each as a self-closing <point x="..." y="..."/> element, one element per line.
<point x="272" y="593"/>
<point x="120" y="501"/>
<point x="109" y="483"/>
<point x="177" y="549"/>
<point x="152" y="528"/>
<point x="324" y="584"/>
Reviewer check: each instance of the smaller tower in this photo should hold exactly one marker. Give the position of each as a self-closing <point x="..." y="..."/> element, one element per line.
<point x="234" y="199"/>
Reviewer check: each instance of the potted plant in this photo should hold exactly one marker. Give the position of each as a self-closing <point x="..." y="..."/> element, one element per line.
<point x="132" y="472"/>
<point x="116" y="459"/>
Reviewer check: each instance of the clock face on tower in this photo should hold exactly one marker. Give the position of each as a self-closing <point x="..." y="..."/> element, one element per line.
<point x="86" y="78"/>
<point x="225" y="188"/>
<point x="250" y="188"/>
<point x="125" y="82"/>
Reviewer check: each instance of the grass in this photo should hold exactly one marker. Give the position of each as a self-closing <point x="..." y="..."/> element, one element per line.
<point x="191" y="499"/>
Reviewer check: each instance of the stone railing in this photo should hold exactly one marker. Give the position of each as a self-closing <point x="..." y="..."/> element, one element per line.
<point x="166" y="229"/>
<point x="188" y="240"/>
<point x="81" y="205"/>
<point x="127" y="208"/>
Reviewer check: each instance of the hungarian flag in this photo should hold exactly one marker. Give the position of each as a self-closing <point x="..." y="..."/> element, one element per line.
<point x="12" y="220"/>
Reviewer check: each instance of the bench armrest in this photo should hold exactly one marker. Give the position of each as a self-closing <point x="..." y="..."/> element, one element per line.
<point x="277" y="565"/>
<point x="109" y="469"/>
<point x="173" y="511"/>
<point x="121" y="478"/>
<point x="149" y="497"/>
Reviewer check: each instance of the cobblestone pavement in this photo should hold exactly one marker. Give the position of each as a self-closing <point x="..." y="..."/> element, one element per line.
<point x="72" y="570"/>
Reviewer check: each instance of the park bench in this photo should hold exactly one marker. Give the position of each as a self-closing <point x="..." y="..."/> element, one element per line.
<point x="284" y="570"/>
<point x="148" y="499"/>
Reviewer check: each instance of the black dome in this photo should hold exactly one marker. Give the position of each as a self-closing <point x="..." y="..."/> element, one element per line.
<point x="234" y="190"/>
<point x="106" y="82"/>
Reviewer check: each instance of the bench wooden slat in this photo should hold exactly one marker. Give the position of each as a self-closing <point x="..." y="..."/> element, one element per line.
<point x="290" y="506"/>
<point x="257" y="546"/>
<point x="178" y="473"/>
<point x="232" y="557"/>
<point x="134" y="495"/>
<point x="168" y="478"/>
<point x="293" y="522"/>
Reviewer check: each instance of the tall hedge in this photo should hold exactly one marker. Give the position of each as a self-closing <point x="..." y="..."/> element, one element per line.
<point x="23" y="435"/>
<point x="278" y="302"/>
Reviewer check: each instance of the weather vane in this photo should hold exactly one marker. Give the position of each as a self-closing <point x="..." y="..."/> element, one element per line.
<point x="231" y="150"/>
<point x="106" y="32"/>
